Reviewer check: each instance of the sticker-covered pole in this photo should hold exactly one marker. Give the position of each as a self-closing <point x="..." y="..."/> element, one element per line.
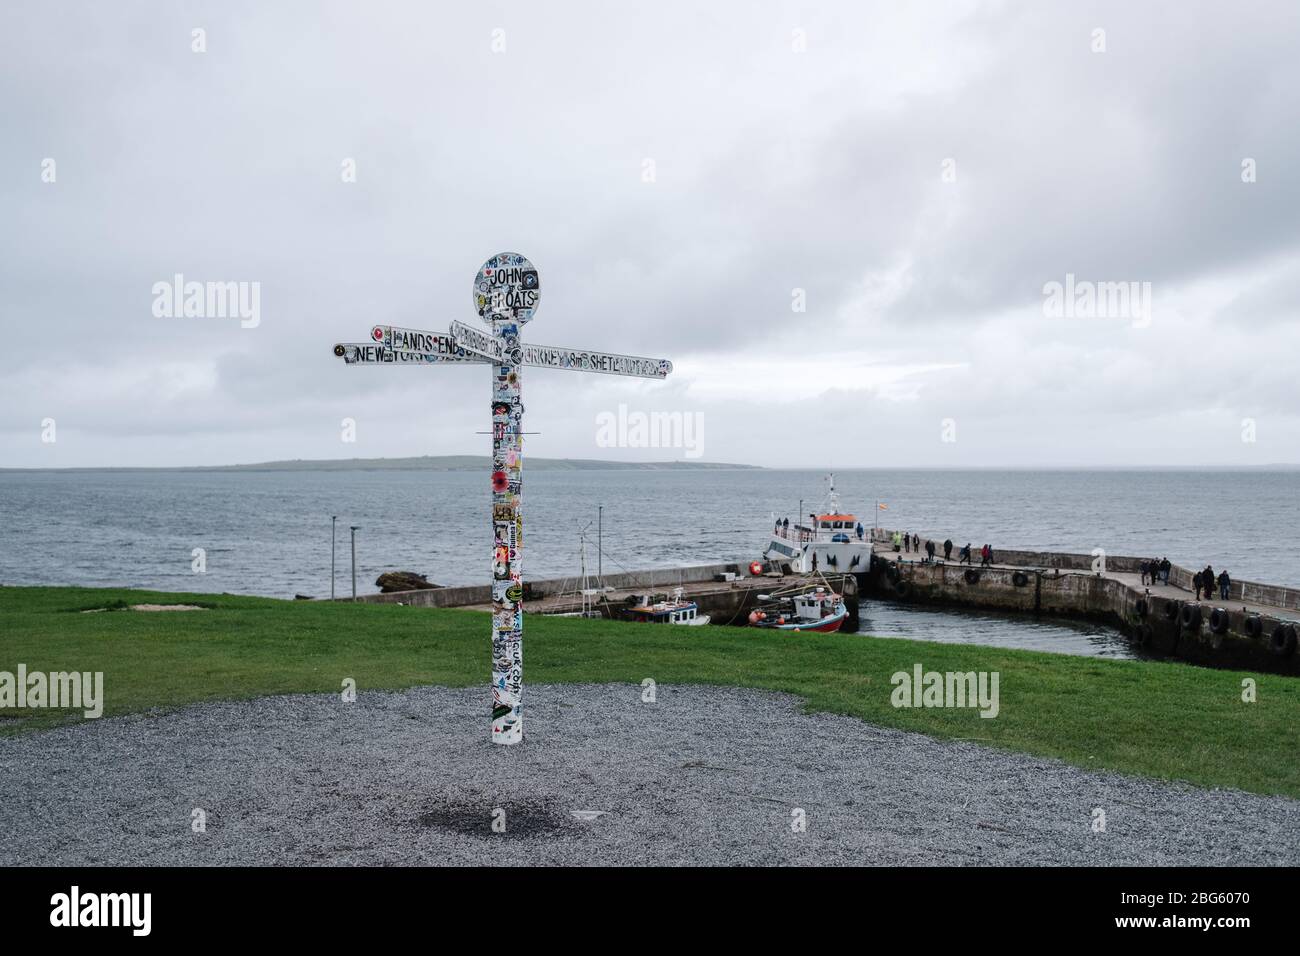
<point x="505" y="295"/>
<point x="507" y="553"/>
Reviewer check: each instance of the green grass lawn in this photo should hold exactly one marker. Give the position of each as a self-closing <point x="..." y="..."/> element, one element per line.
<point x="1161" y="720"/>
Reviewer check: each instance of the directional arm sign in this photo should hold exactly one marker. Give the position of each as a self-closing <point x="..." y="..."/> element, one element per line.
<point x="589" y="360"/>
<point x="415" y="340"/>
<point x="368" y="353"/>
<point x="477" y="341"/>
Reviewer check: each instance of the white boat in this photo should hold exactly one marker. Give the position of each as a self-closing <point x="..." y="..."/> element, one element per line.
<point x="676" y="610"/>
<point x="829" y="542"/>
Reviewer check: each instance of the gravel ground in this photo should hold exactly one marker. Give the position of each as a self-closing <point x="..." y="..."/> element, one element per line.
<point x="701" y="776"/>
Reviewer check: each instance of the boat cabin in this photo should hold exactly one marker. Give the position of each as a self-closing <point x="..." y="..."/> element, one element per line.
<point x="667" y="613"/>
<point x="808" y="606"/>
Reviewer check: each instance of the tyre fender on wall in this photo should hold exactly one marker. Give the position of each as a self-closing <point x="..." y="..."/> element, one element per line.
<point x="1283" y="640"/>
<point x="1219" y="620"/>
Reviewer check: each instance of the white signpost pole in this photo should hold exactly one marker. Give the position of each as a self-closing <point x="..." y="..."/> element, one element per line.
<point x="506" y="294"/>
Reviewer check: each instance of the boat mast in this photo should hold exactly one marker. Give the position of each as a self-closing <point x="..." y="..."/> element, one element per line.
<point x="582" y="557"/>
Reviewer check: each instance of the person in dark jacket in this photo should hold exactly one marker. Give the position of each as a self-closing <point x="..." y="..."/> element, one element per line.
<point x="1145" y="568"/>
<point x="947" y="549"/>
<point x="929" y="550"/>
<point x="1196" y="583"/>
<point x="964" y="554"/>
<point x="1207" y="581"/>
<point x="1225" y="584"/>
<point x="1164" y="570"/>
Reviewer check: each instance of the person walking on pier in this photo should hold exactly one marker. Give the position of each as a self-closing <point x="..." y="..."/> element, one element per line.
<point x="1196" y="582"/>
<point x="947" y="549"/>
<point x="1207" y="581"/>
<point x="1164" y="570"/>
<point x="1145" y="568"/>
<point x="929" y="550"/>
<point x="1225" y="584"/>
<point x="964" y="555"/>
<point x="986" y="556"/>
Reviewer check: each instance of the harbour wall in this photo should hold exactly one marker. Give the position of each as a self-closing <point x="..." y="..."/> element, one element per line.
<point x="726" y="602"/>
<point x="1236" y="633"/>
<point x="1255" y="629"/>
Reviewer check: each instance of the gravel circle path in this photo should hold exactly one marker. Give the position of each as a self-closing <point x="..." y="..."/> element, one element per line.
<point x="703" y="775"/>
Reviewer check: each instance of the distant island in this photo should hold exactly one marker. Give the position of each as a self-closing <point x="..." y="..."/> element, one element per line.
<point x="426" y="463"/>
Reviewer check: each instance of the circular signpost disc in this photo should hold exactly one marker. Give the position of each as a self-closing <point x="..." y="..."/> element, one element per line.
<point x="507" y="288"/>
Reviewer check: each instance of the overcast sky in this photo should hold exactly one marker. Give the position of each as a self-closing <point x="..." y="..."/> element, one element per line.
<point x="922" y="171"/>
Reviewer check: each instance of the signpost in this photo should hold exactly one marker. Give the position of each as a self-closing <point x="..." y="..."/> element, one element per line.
<point x="507" y="292"/>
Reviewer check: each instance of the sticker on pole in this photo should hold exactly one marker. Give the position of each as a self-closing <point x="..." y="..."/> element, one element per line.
<point x="476" y="341"/>
<point x="507" y="288"/>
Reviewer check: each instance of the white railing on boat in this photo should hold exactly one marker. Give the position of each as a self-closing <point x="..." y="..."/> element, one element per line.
<point x="807" y="535"/>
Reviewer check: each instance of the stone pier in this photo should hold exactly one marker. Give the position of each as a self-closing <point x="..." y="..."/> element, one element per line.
<point x="1256" y="628"/>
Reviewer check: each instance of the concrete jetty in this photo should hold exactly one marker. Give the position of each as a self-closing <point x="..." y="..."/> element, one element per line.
<point x="726" y="592"/>
<point x="1255" y="628"/>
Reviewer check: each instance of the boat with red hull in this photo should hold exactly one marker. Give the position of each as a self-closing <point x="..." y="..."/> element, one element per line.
<point x="818" y="610"/>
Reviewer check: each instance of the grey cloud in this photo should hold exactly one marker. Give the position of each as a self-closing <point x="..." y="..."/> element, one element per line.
<point x="774" y="171"/>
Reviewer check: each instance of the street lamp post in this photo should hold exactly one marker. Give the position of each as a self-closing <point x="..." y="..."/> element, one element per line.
<point x="354" y="561"/>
